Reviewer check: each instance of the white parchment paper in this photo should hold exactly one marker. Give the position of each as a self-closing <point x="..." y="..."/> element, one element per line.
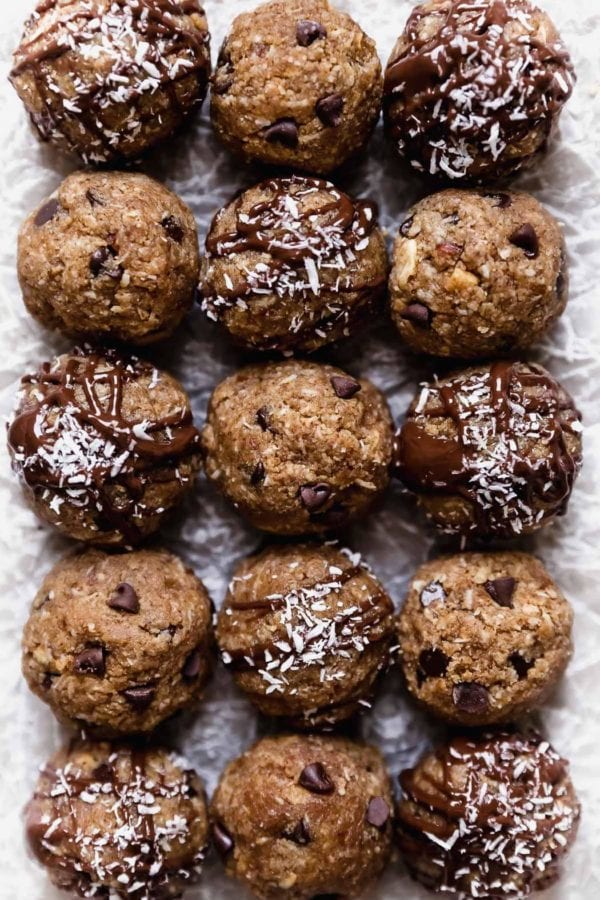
<point x="210" y="536"/>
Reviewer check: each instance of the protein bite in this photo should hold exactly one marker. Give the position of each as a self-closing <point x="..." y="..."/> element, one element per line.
<point x="487" y="817"/>
<point x="491" y="451"/>
<point x="118" y="643"/>
<point x="111" y="820"/>
<point x="111" y="255"/>
<point x="477" y="274"/>
<point x="297" y="84"/>
<point x="108" y="79"/>
<point x="474" y="89"/>
<point x="298" y="447"/>
<point x="306" y="631"/>
<point x="293" y="264"/>
<point x="301" y="816"/>
<point x="484" y="637"/>
<point x="104" y="446"/>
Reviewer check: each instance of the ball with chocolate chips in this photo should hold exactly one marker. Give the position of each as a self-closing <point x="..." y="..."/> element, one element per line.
<point x="474" y="88"/>
<point x="491" y="451"/>
<point x="477" y="274"/>
<point x="306" y="631"/>
<point x="104" y="446"/>
<point x="301" y="816"/>
<point x="298" y="447"/>
<point x="107" y="79"/>
<point x="111" y="255"/>
<point x="293" y="264"/>
<point x="484" y="637"/>
<point x="298" y="84"/>
<point x="487" y="816"/>
<point x="110" y="820"/>
<point x="118" y="643"/>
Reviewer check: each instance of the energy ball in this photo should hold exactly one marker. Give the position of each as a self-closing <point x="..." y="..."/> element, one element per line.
<point x="298" y="447"/>
<point x="484" y="637"/>
<point x="301" y="816"/>
<point x="113" y="820"/>
<point x="477" y="274"/>
<point x="104" y="446"/>
<point x="108" y="79"/>
<point x="112" y="255"/>
<point x="492" y="451"/>
<point x="118" y="643"/>
<point x="306" y="630"/>
<point x="293" y="264"/>
<point x="473" y="88"/>
<point x="487" y="817"/>
<point x="298" y="84"/>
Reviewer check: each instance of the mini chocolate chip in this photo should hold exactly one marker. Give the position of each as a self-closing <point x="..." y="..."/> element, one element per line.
<point x="222" y="839"/>
<point x="46" y="212"/>
<point x="329" y="110"/>
<point x="501" y="200"/>
<point x="258" y="474"/>
<point x="173" y="228"/>
<point x="98" y="263"/>
<point x="520" y="665"/>
<point x="418" y="314"/>
<point x="91" y="661"/>
<point x="299" y="834"/>
<point x="315" y="779"/>
<point x="124" y="599"/>
<point x="48" y="680"/>
<point x="470" y="697"/>
<point x="526" y="239"/>
<point x="191" y="668"/>
<point x="451" y="248"/>
<point x="406" y="226"/>
<point x="93" y="199"/>
<point x="433" y="662"/>
<point x="140" y="697"/>
<point x="344" y="386"/>
<point x="307" y="32"/>
<point x="283" y="131"/>
<point x="314" y="496"/>
<point x="263" y="418"/>
<point x="432" y="592"/>
<point x="378" y="812"/>
<point x="501" y="591"/>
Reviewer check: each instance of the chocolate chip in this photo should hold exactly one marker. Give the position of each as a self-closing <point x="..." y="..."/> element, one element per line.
<point x="406" y="226"/>
<point x="299" y="834"/>
<point x="432" y="592"/>
<point x="344" y="386"/>
<point x="451" y="248"/>
<point x="314" y="496"/>
<point x="470" y="697"/>
<point x="501" y="200"/>
<point x="316" y="780"/>
<point x="283" y="131"/>
<point x="46" y="212"/>
<point x="378" y="812"/>
<point x="125" y="599"/>
<point x="173" y="228"/>
<point x="140" y="697"/>
<point x="98" y="263"/>
<point x="520" y="665"/>
<point x="526" y="239"/>
<point x="93" y="199"/>
<point x="91" y="661"/>
<point x="418" y="314"/>
<point x="329" y="110"/>
<point x="191" y="668"/>
<point x="222" y="839"/>
<point x="433" y="662"/>
<point x="258" y="474"/>
<point x="49" y="679"/>
<point x="263" y="418"/>
<point x="307" y="32"/>
<point x="501" y="591"/>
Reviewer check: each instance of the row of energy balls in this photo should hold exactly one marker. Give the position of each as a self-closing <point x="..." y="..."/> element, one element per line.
<point x="105" y="447"/>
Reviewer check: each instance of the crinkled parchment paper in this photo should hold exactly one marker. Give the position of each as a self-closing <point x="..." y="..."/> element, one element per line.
<point x="210" y="536"/>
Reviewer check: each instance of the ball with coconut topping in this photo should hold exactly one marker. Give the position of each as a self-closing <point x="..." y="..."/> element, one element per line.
<point x="474" y="88"/>
<point x="108" y="79"/>
<point x="293" y="264"/>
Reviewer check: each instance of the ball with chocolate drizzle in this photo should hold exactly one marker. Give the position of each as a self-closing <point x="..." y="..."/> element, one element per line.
<point x="298" y="84"/>
<point x="104" y="446"/>
<point x="483" y="637"/>
<point x="113" y="820"/>
<point x="304" y="816"/>
<point x="487" y="817"/>
<point x="306" y="631"/>
<point x="293" y="264"/>
<point x="492" y="451"/>
<point x="474" y="88"/>
<point x="298" y="447"/>
<point x="107" y="79"/>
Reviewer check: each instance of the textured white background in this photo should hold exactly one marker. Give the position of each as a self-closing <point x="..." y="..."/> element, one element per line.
<point x="210" y="536"/>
